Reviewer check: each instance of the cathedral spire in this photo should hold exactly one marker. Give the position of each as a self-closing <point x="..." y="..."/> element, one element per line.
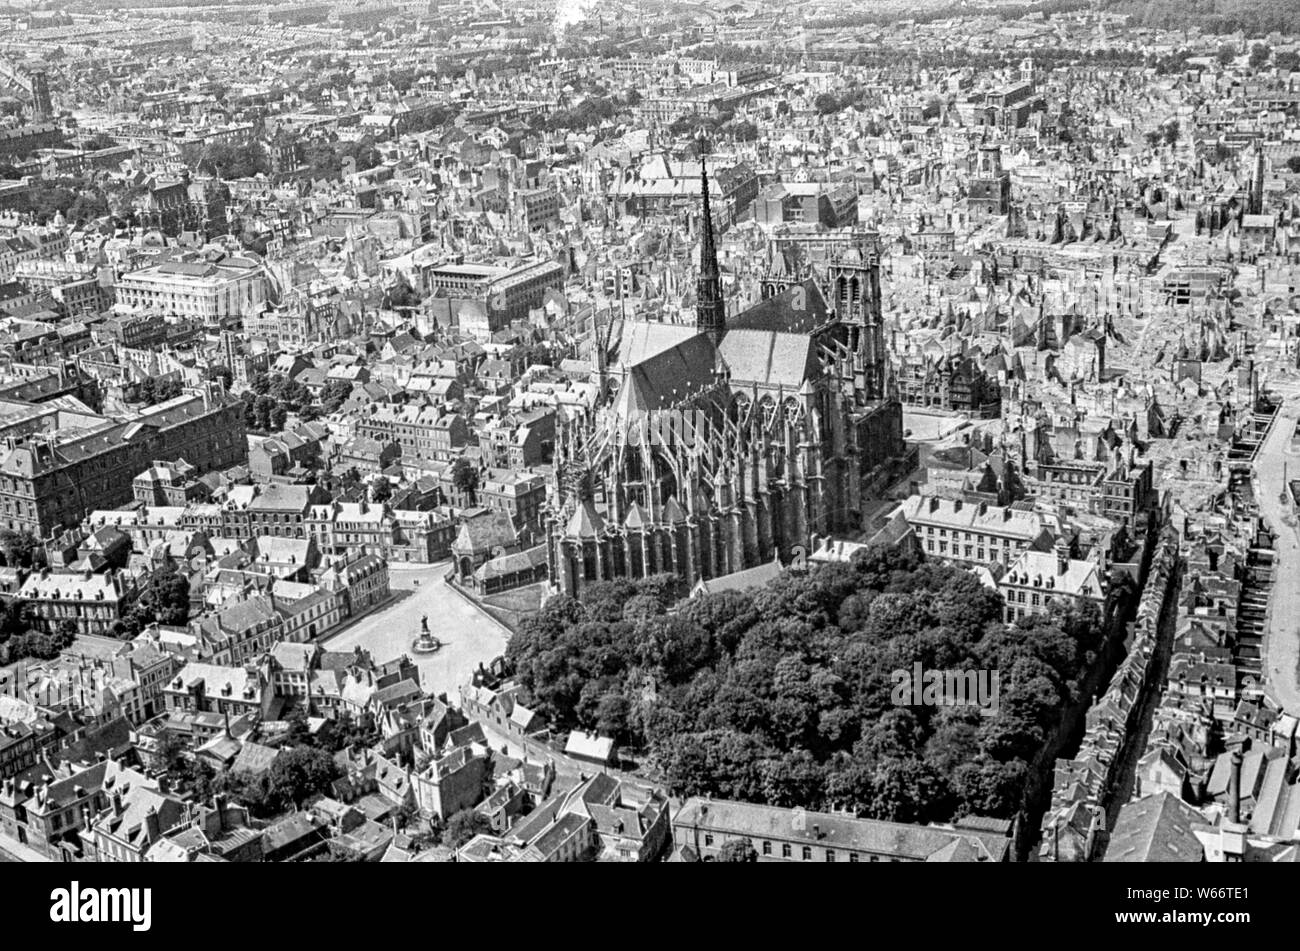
<point x="710" y="308"/>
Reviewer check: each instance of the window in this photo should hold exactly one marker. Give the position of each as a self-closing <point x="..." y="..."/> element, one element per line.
<point x="708" y="840"/>
<point x="767" y="848"/>
<point x="830" y="855"/>
<point x="807" y="853"/>
<point x="853" y="858"/>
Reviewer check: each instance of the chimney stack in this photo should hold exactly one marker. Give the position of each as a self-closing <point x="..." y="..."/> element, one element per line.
<point x="1234" y="788"/>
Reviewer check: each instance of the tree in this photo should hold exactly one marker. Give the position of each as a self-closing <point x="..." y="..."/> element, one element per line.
<point x="14" y="618"/>
<point x="463" y="826"/>
<point x="1226" y="53"/>
<point x="465" y="478"/>
<point x="612" y="717"/>
<point x="737" y="850"/>
<point x="826" y="103"/>
<point x="298" y="774"/>
<point x="1286" y="61"/>
<point x="21" y="549"/>
<point x="154" y="390"/>
<point x="784" y="695"/>
<point x="164" y="599"/>
<point x="1259" y="55"/>
<point x="99" y="140"/>
<point x="334" y="394"/>
<point x="233" y="161"/>
<point x="381" y="490"/>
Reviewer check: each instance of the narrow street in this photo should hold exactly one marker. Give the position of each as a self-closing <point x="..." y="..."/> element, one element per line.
<point x="1126" y="778"/>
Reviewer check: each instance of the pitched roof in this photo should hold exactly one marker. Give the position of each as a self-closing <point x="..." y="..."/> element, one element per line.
<point x="1156" y="828"/>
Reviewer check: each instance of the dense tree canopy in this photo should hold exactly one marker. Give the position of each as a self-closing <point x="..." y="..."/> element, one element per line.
<point x="326" y="157"/>
<point x="233" y="161"/>
<point x="784" y="694"/>
<point x="18" y="641"/>
<point x="334" y="394"/>
<point x="273" y="397"/>
<point x="298" y="774"/>
<point x="381" y="490"/>
<point x="163" y="599"/>
<point x="20" y="549"/>
<point x="463" y="826"/>
<point x="154" y="390"/>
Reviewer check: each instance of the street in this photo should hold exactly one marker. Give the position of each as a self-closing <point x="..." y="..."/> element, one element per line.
<point x="1282" y="628"/>
<point x="469" y="636"/>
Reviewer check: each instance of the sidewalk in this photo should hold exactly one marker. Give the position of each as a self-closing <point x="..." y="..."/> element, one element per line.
<point x="19" y="852"/>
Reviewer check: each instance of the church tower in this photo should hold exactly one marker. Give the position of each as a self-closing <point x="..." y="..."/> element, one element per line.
<point x="990" y="186"/>
<point x="854" y="281"/>
<point x="710" y="307"/>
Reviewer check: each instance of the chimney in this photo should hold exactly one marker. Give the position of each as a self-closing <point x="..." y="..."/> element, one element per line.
<point x="117" y="802"/>
<point x="1062" y="556"/>
<point x="1234" y="788"/>
<point x="152" y="829"/>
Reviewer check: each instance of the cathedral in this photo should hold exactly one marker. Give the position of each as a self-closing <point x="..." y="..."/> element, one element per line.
<point x="734" y="442"/>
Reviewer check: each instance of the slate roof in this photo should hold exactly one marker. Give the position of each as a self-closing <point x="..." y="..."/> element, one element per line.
<point x="1156" y="829"/>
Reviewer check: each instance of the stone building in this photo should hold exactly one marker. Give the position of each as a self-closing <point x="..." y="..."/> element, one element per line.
<point x="733" y="439"/>
<point x="52" y="480"/>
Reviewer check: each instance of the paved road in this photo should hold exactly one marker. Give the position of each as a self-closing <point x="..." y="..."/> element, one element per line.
<point x="568" y="771"/>
<point x="1282" y="638"/>
<point x="11" y="851"/>
<point x="469" y="635"/>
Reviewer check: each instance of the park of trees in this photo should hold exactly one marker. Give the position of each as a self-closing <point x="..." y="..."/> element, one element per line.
<point x="270" y="400"/>
<point x="782" y="694"/>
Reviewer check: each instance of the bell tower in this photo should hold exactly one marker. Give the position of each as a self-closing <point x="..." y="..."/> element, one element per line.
<point x="854" y="279"/>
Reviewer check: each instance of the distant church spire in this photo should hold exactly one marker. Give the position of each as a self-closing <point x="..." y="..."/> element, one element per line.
<point x="710" y="308"/>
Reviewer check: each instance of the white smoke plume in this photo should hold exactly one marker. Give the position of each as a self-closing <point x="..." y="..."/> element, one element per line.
<point x="569" y="13"/>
